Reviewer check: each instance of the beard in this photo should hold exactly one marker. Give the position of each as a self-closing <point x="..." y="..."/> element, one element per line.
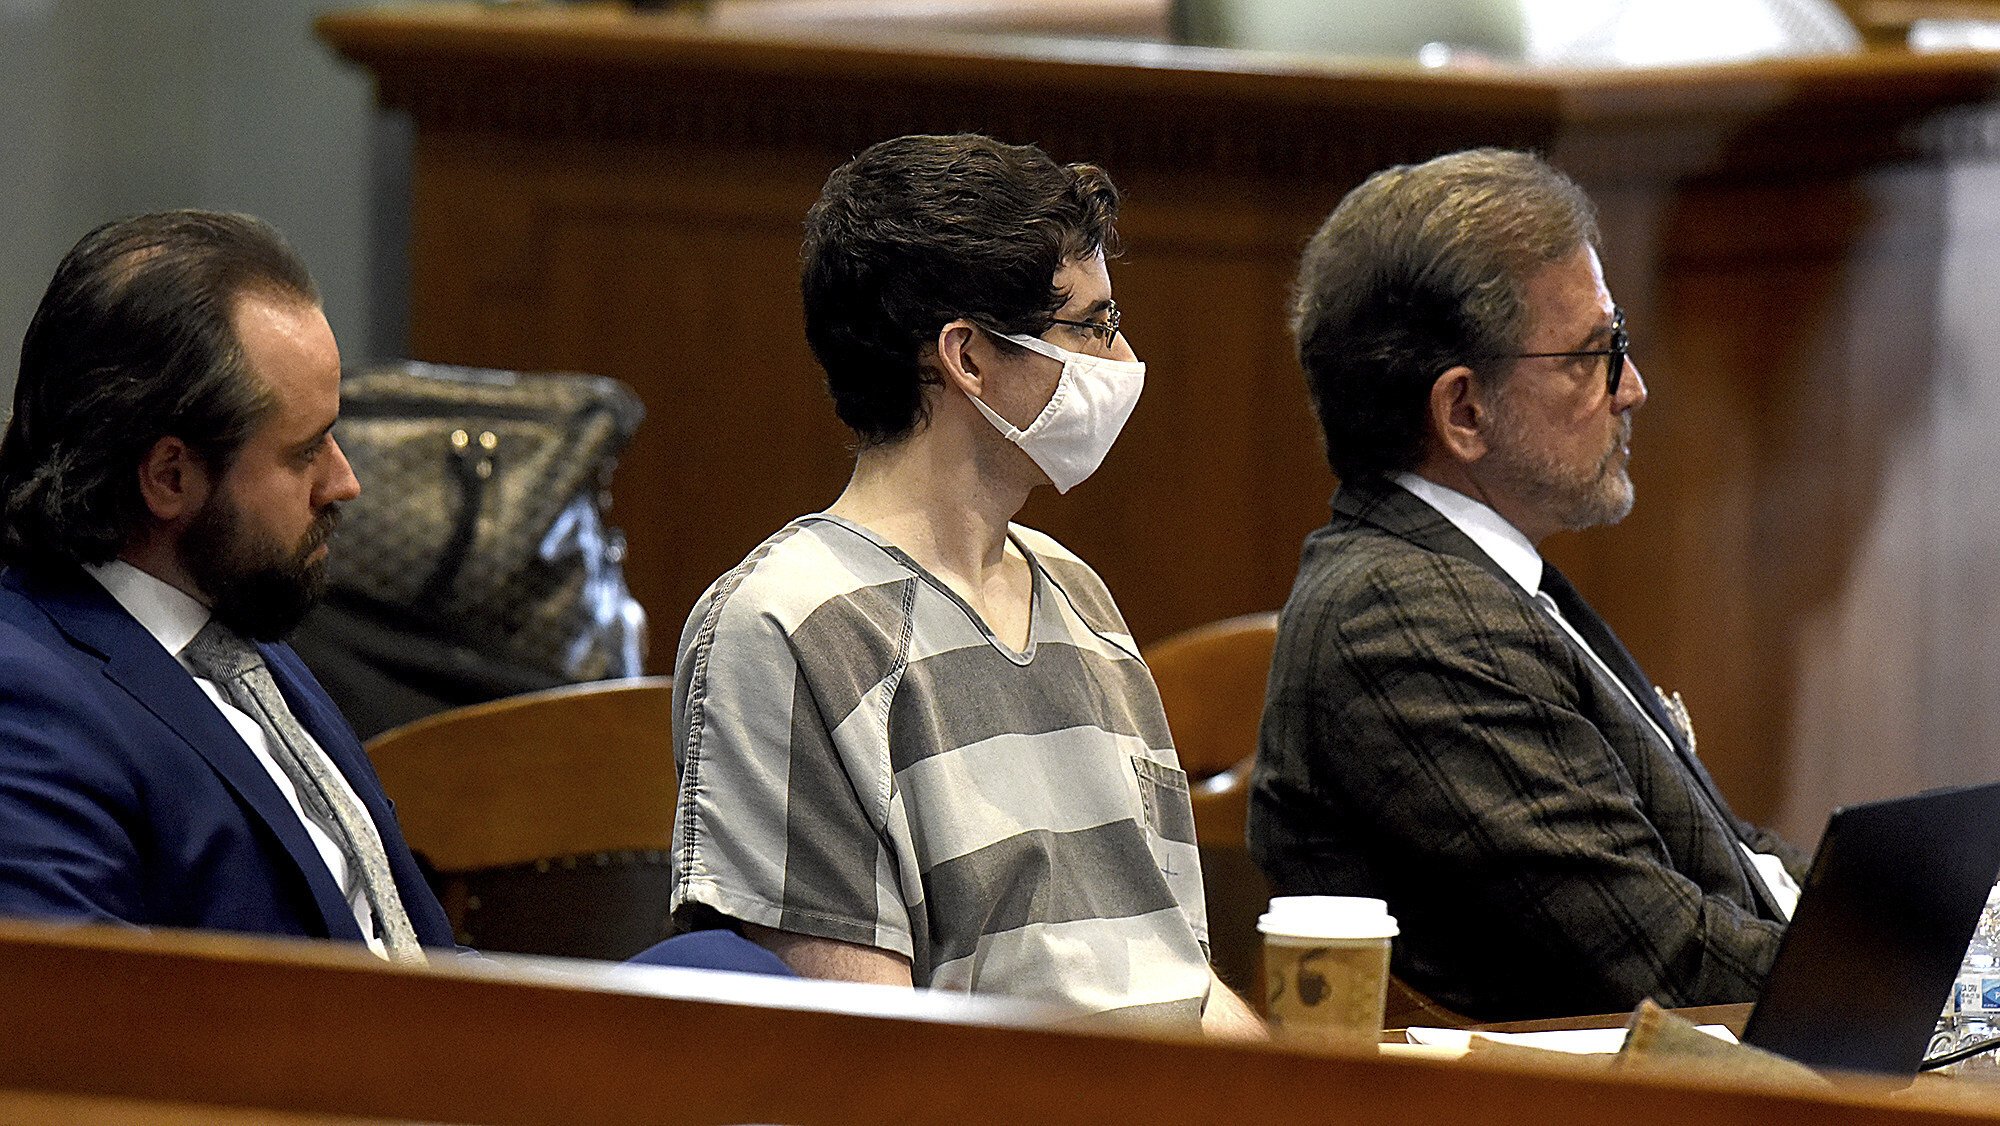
<point x="256" y="585"/>
<point x="1573" y="497"/>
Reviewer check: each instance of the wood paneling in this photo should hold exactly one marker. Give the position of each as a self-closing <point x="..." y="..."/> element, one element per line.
<point x="122" y="1019"/>
<point x="622" y="193"/>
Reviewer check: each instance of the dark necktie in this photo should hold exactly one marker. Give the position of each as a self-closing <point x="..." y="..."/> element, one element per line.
<point x="238" y="669"/>
<point x="1597" y="635"/>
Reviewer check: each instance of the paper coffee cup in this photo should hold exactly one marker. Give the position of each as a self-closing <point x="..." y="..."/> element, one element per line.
<point x="1326" y="967"/>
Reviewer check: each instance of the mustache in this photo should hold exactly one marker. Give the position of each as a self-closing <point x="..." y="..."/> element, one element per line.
<point x="322" y="530"/>
<point x="1622" y="441"/>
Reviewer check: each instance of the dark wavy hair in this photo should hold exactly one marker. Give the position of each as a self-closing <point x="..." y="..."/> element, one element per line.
<point x="1419" y="270"/>
<point x="132" y="342"/>
<point x="917" y="232"/>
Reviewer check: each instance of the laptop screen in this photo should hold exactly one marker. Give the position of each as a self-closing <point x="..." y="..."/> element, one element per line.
<point x="1882" y="925"/>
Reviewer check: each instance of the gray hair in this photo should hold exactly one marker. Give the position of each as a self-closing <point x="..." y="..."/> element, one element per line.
<point x="1418" y="270"/>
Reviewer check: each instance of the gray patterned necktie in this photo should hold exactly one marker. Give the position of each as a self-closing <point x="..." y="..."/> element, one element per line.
<point x="238" y="669"/>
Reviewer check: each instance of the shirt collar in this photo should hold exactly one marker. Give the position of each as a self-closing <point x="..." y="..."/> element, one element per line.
<point x="1487" y="529"/>
<point x="170" y="614"/>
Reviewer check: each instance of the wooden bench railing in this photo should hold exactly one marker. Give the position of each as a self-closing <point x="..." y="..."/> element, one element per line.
<point x="172" y="1020"/>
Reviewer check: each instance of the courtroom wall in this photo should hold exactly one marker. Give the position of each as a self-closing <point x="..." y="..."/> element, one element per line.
<point x="119" y="106"/>
<point x="1899" y="673"/>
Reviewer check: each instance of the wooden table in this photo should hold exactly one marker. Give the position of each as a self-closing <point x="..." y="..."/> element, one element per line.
<point x="117" y="1021"/>
<point x="1732" y="1017"/>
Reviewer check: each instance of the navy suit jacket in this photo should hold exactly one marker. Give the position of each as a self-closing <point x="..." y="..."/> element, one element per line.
<point x="125" y="796"/>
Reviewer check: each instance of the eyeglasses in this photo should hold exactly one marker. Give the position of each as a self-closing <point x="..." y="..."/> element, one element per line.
<point x="1614" y="369"/>
<point x="1104" y="331"/>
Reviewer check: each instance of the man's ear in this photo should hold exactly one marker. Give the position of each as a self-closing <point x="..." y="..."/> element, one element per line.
<point x="957" y="364"/>
<point x="1459" y="416"/>
<point x="173" y="480"/>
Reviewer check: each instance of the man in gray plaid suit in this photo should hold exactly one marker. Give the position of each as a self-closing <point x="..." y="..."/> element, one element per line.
<point x="1449" y="725"/>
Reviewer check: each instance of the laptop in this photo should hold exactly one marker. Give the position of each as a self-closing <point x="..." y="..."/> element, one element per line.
<point x="1882" y="924"/>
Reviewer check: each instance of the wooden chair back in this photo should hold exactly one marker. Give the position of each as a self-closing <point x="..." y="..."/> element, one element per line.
<point x="547" y="817"/>
<point x="1211" y="681"/>
<point x="1405" y="1007"/>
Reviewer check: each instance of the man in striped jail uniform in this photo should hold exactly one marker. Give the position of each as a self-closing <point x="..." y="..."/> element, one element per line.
<point x="917" y="743"/>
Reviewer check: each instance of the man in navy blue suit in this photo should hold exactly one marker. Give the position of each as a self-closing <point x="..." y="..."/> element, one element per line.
<point x="168" y="481"/>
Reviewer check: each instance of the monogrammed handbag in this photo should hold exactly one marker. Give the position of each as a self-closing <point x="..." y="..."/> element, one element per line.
<point x="477" y="561"/>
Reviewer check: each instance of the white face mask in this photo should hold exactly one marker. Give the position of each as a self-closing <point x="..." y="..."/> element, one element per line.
<point x="1093" y="399"/>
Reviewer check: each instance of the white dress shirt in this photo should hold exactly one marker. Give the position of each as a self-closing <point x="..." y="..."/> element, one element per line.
<point x="1505" y="544"/>
<point x="173" y="618"/>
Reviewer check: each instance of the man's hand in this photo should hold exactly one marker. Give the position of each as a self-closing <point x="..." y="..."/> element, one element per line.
<point x="830" y="959"/>
<point x="1227" y="1017"/>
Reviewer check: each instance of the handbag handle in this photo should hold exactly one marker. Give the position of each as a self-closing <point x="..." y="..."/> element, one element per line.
<point x="477" y="457"/>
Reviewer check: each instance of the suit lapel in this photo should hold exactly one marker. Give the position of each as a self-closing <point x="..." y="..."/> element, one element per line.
<point x="1612" y="652"/>
<point x="1400" y="512"/>
<point x="1615" y="657"/>
<point x="1622" y="665"/>
<point x="134" y="660"/>
<point x="1619" y="660"/>
<point x="317" y="713"/>
<point x="1396" y="510"/>
<point x="327" y="729"/>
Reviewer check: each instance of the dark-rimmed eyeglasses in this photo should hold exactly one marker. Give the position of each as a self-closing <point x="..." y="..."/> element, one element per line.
<point x="1104" y="331"/>
<point x="1614" y="362"/>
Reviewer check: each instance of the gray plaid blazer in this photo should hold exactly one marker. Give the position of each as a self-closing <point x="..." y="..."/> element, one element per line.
<point x="1432" y="738"/>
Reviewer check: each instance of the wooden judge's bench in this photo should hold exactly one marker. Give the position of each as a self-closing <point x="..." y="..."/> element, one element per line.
<point x="618" y="192"/>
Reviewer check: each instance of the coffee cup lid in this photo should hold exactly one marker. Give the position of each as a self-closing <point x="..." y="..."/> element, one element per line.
<point x="1328" y="916"/>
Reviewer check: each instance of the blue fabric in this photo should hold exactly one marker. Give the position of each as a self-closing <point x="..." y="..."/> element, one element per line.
<point x="125" y="796"/>
<point x="713" y="950"/>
